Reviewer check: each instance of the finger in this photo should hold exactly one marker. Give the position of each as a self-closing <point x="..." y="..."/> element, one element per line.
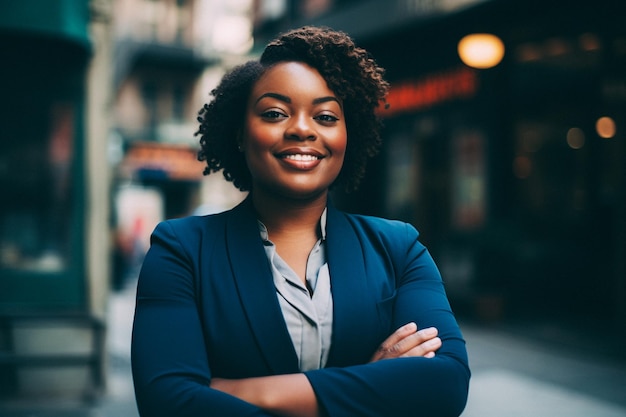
<point x="413" y="340"/>
<point x="423" y="341"/>
<point x="428" y="333"/>
<point x="415" y="344"/>
<point x="426" y="349"/>
<point x="397" y="336"/>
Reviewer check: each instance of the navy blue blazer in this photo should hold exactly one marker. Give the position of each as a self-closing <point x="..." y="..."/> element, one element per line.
<point x="207" y="306"/>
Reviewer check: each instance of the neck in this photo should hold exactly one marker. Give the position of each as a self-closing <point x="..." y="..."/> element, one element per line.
<point x="289" y="217"/>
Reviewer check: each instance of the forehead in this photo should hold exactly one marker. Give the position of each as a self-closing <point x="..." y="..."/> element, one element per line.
<point x="292" y="76"/>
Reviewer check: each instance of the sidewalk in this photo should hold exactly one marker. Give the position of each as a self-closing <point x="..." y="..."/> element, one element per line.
<point x="513" y="375"/>
<point x="119" y="400"/>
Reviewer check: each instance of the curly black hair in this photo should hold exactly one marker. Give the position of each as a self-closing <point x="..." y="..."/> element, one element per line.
<point x="351" y="73"/>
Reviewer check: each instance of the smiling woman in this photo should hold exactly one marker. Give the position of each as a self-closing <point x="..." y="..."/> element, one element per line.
<point x="285" y="305"/>
<point x="295" y="133"/>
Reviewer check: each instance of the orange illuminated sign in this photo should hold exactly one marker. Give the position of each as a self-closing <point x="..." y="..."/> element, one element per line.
<point x="406" y="96"/>
<point x="176" y="161"/>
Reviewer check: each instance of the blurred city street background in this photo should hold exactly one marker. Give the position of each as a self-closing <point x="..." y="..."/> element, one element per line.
<point x="504" y="144"/>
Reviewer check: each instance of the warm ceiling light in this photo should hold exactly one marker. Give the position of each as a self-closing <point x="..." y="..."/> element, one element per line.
<point x="481" y="50"/>
<point x="605" y="126"/>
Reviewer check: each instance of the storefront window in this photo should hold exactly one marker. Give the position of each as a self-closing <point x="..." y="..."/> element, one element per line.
<point x="468" y="180"/>
<point x="35" y="165"/>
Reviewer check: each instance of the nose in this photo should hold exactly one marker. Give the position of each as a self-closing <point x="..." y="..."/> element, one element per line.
<point x="300" y="128"/>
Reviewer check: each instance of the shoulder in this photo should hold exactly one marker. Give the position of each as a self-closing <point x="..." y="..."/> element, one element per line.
<point x="393" y="240"/>
<point x="192" y="224"/>
<point x="393" y="237"/>
<point x="191" y="230"/>
<point x="387" y="229"/>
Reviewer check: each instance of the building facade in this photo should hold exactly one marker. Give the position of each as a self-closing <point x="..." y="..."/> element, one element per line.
<point x="53" y="223"/>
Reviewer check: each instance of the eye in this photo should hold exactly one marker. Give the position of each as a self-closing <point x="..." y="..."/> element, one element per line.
<point x="272" y="114"/>
<point x="327" y="118"/>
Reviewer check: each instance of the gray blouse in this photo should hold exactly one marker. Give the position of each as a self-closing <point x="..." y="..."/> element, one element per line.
<point x="308" y="313"/>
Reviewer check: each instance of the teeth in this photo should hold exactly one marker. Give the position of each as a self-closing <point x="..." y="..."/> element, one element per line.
<point x="299" y="157"/>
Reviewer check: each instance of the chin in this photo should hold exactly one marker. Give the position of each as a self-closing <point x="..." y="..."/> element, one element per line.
<point x="304" y="194"/>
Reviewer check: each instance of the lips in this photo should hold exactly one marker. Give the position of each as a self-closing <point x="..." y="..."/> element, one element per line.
<point x="301" y="158"/>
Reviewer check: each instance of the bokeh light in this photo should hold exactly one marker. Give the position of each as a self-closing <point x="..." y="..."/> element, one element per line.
<point x="605" y="127"/>
<point x="575" y="138"/>
<point x="481" y="50"/>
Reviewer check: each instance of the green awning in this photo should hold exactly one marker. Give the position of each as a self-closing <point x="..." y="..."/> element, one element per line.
<point x="66" y="20"/>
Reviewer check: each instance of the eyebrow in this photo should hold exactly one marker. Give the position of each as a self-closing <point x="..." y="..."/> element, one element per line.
<point x="286" y="99"/>
<point x="274" y="95"/>
<point x="325" y="100"/>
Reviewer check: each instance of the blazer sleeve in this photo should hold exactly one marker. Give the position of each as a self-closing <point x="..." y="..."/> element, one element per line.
<point x="405" y="386"/>
<point x="170" y="368"/>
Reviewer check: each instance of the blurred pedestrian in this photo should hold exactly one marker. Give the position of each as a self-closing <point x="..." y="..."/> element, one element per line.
<point x="285" y="305"/>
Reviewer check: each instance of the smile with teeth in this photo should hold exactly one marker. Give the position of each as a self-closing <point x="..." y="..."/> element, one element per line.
<point x="301" y="157"/>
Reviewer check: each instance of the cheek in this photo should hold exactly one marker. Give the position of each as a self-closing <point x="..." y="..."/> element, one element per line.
<point x="340" y="145"/>
<point x="341" y="149"/>
<point x="259" y="135"/>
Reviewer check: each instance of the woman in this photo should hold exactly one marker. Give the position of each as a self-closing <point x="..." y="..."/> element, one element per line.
<point x="285" y="305"/>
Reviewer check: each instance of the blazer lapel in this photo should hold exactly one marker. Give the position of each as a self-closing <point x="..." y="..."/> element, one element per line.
<point x="354" y="303"/>
<point x="256" y="289"/>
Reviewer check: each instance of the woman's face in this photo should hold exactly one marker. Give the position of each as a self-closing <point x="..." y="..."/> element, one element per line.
<point x="295" y="133"/>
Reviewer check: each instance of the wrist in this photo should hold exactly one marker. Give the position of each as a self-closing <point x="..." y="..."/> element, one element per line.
<point x="251" y="390"/>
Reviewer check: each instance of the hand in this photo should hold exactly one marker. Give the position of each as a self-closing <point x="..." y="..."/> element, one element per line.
<point x="282" y="395"/>
<point x="408" y="342"/>
<point x="222" y="384"/>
